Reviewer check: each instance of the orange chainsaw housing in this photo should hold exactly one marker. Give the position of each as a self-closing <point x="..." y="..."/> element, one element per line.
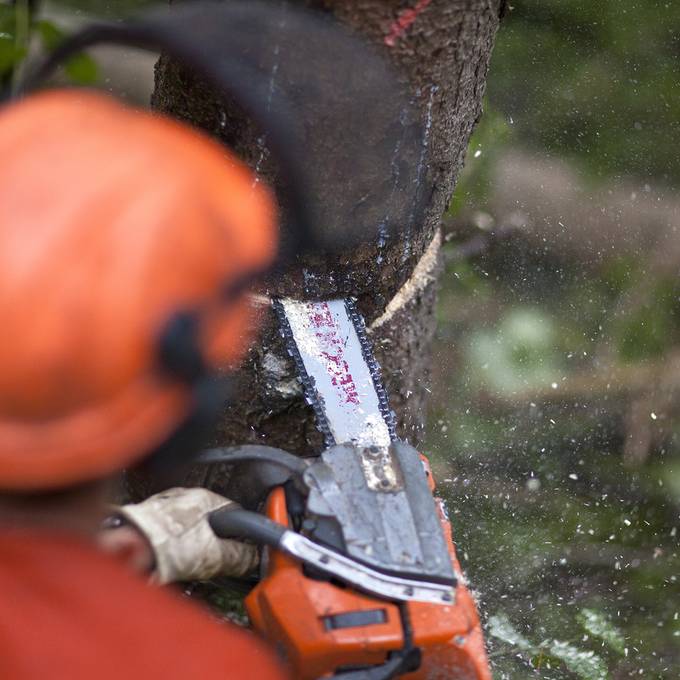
<point x="299" y="615"/>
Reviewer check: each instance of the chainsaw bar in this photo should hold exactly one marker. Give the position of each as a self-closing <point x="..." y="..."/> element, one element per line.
<point x="339" y="374"/>
<point x="367" y="481"/>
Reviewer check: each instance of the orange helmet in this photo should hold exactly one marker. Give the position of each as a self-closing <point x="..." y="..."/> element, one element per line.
<point x="112" y="221"/>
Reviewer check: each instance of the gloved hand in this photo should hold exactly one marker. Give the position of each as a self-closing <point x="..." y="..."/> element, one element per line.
<point x="175" y="523"/>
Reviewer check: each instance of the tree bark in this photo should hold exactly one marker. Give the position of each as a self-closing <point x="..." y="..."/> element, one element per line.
<point x="442" y="48"/>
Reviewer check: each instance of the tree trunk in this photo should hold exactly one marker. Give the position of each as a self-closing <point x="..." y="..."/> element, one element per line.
<point x="443" y="48"/>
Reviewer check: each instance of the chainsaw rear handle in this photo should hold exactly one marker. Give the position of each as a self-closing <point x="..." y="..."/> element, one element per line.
<point x="242" y="524"/>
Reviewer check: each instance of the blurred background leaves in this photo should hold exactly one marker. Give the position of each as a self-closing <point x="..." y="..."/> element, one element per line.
<point x="557" y="417"/>
<point x="23" y="29"/>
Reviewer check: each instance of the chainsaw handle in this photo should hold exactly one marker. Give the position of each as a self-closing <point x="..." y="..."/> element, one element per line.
<point x="242" y="524"/>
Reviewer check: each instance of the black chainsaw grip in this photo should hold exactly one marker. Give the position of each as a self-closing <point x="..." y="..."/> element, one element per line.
<point x="244" y="524"/>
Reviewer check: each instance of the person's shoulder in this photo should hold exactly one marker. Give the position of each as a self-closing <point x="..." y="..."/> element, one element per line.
<point x="97" y="619"/>
<point x="149" y="631"/>
<point x="179" y="638"/>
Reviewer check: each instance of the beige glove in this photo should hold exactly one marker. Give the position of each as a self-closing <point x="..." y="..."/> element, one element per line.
<point x="186" y="549"/>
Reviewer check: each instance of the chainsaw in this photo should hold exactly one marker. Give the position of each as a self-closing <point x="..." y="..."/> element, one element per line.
<point x="360" y="579"/>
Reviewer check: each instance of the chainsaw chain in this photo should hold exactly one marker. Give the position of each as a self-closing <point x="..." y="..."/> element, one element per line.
<point x="312" y="396"/>
<point x="373" y="366"/>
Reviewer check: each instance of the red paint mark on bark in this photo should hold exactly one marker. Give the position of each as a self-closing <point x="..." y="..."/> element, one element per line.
<point x="404" y="21"/>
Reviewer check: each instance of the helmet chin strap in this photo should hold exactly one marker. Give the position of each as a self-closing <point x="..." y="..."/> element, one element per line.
<point x="181" y="358"/>
<point x="179" y="350"/>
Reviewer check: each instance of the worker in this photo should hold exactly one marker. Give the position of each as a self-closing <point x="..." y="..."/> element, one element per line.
<point x="126" y="244"/>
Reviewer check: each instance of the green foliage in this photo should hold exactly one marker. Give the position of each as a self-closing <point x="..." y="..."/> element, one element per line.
<point x="596" y="81"/>
<point x="50" y="35"/>
<point x="18" y="28"/>
<point x="583" y="663"/>
<point x="227" y="604"/>
<point x="577" y="543"/>
<point x="518" y="353"/>
<point x="81" y="69"/>
<point x="10" y="53"/>
<point x="12" y="50"/>
<point x="551" y="523"/>
<point x="492" y="133"/>
<point x="619" y="274"/>
<point x="499" y="627"/>
<point x="671" y="476"/>
<point x="598" y="625"/>
<point x="650" y="329"/>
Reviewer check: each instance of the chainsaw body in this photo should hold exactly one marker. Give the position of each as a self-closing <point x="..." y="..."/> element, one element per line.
<point x="376" y="508"/>
<point x="360" y="579"/>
